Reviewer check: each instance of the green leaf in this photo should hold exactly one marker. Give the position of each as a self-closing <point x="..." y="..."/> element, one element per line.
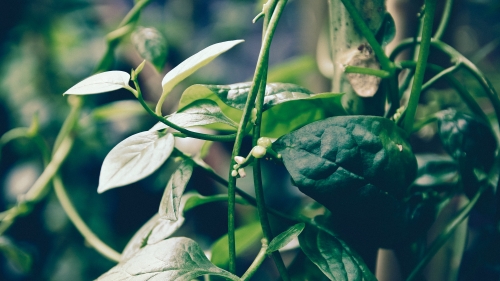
<point x="151" y="45"/>
<point x="285" y="237"/>
<point x="359" y="167"/>
<point x="195" y="62"/>
<point x="100" y="83"/>
<point x="333" y="257"/>
<point x="118" y="110"/>
<point x="286" y="106"/>
<point x="135" y="158"/>
<point x="436" y="172"/>
<point x="199" y="113"/>
<point x="293" y="70"/>
<point x="197" y="199"/>
<point x="155" y="230"/>
<point x="246" y="237"/>
<point x="179" y="259"/>
<point x="171" y="200"/>
<point x="467" y="140"/>
<point x="17" y="256"/>
<point x="387" y="31"/>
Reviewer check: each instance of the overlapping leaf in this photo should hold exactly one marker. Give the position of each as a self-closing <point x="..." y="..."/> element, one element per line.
<point x="171" y="200"/>
<point x="333" y="257"/>
<point x="135" y="158"/>
<point x="118" y="110"/>
<point x="100" y="83"/>
<point x="199" y="113"/>
<point x="179" y="259"/>
<point x="285" y="237"/>
<point x="286" y="106"/>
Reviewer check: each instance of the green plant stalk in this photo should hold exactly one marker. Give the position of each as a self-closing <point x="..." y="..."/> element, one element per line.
<point x="430" y="9"/>
<point x="444" y="20"/>
<point x="438" y="76"/>
<point x="113" y="41"/>
<point x="261" y="64"/>
<point x="368" y="71"/>
<point x="75" y="218"/>
<point x="261" y="256"/>
<point x="138" y="93"/>
<point x="445" y="234"/>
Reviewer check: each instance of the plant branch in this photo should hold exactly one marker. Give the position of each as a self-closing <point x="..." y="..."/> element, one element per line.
<point x="444" y="20"/>
<point x="430" y="8"/>
<point x="261" y="256"/>
<point x="77" y="221"/>
<point x="445" y="234"/>
<point x="137" y="92"/>
<point x="261" y="65"/>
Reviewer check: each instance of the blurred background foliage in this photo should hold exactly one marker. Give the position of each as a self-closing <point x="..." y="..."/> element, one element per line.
<point x="47" y="46"/>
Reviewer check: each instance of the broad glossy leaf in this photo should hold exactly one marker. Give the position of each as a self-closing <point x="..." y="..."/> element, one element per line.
<point x="199" y="113"/>
<point x="246" y="236"/>
<point x="286" y="106"/>
<point x="195" y="62"/>
<point x="467" y="139"/>
<point x="285" y="237"/>
<point x="171" y="200"/>
<point x="18" y="257"/>
<point x="118" y="110"/>
<point x="359" y="167"/>
<point x="179" y="259"/>
<point x="100" y="83"/>
<point x="333" y="257"/>
<point x="135" y="158"/>
<point x="151" y="45"/>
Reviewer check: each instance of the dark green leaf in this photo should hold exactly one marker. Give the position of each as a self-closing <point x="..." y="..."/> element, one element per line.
<point x="199" y="113"/>
<point x="246" y="237"/>
<point x="151" y="45"/>
<point x="179" y="259"/>
<point x="335" y="259"/>
<point x="100" y="83"/>
<point x="438" y="173"/>
<point x="17" y="256"/>
<point x="135" y="158"/>
<point x="285" y="237"/>
<point x="359" y="167"/>
<point x="387" y="31"/>
<point x="467" y="140"/>
<point x="171" y="200"/>
<point x="286" y="106"/>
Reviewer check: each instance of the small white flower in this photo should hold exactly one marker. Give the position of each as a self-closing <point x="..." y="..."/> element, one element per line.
<point x="234" y="173"/>
<point x="239" y="159"/>
<point x="242" y="173"/>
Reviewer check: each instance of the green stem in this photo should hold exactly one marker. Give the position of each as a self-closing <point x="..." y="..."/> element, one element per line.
<point x="445" y="234"/>
<point x="368" y="71"/>
<point x="261" y="65"/>
<point x="386" y="64"/>
<point x="438" y="76"/>
<point x="444" y="20"/>
<point x="430" y="8"/>
<point x="137" y="92"/>
<point x="75" y="218"/>
<point x="261" y="256"/>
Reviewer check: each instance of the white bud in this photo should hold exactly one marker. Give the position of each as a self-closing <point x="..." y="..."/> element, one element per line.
<point x="242" y="173"/>
<point x="259" y="151"/>
<point x="264" y="142"/>
<point x="239" y="159"/>
<point x="234" y="173"/>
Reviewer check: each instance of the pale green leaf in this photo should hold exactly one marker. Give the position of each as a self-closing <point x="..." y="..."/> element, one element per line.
<point x="246" y="237"/>
<point x="198" y="199"/>
<point x="199" y="113"/>
<point x="171" y="200"/>
<point x="100" y="83"/>
<point x="174" y="259"/>
<point x="195" y="62"/>
<point x="119" y="109"/>
<point x="285" y="237"/>
<point x="135" y="158"/>
<point x="286" y="106"/>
